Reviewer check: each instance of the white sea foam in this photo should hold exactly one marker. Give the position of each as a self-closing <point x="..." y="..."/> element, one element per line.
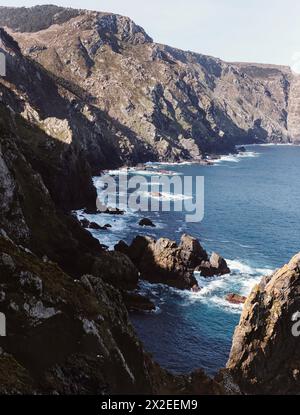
<point x="213" y="291"/>
<point x="236" y="158"/>
<point x="166" y="163"/>
<point x="165" y="196"/>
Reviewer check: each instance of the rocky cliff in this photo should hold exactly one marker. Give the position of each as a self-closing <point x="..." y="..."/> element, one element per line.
<point x="265" y="355"/>
<point x="68" y="331"/>
<point x="159" y="102"/>
<point x="64" y="115"/>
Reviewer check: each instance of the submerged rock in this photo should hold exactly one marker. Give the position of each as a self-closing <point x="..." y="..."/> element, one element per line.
<point x="235" y="298"/>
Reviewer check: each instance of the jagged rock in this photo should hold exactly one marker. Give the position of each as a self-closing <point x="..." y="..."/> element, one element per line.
<point x="219" y="264"/>
<point x="164" y="261"/>
<point x="192" y="252"/>
<point x="146" y="222"/>
<point x="215" y="266"/>
<point x="235" y="298"/>
<point x="265" y="354"/>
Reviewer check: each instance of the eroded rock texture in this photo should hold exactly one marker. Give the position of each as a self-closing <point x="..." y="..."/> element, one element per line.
<point x="152" y="101"/>
<point x="265" y="355"/>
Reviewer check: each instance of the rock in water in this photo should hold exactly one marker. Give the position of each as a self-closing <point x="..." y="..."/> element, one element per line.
<point x="146" y="222"/>
<point x="235" y="298"/>
<point x="95" y="226"/>
<point x="164" y="261"/>
<point x="215" y="266"/>
<point x="265" y="354"/>
<point x="191" y="251"/>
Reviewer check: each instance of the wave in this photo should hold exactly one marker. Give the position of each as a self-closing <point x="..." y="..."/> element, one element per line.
<point x="236" y="158"/>
<point x="273" y="145"/>
<point x="237" y="266"/>
<point x="165" y="196"/>
<point x="150" y="172"/>
<point x="170" y="163"/>
<point x="213" y="291"/>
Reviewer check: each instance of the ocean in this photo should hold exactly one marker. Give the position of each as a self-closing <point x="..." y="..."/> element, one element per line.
<point x="252" y="218"/>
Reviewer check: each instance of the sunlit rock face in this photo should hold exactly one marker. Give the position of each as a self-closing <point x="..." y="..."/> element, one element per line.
<point x="152" y="101"/>
<point x="265" y="353"/>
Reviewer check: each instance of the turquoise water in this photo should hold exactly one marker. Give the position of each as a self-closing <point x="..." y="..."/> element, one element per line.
<point x="252" y="218"/>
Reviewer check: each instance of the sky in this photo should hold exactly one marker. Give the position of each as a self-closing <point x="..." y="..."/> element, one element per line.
<point x="264" y="31"/>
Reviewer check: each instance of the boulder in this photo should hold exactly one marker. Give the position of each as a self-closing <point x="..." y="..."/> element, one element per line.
<point x="163" y="261"/>
<point x="235" y="298"/>
<point x="192" y="252"/>
<point x="146" y="222"/>
<point x="265" y="353"/>
<point x="215" y="266"/>
<point x="219" y="264"/>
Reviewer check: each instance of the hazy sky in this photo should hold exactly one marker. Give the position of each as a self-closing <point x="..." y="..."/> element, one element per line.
<point x="266" y="31"/>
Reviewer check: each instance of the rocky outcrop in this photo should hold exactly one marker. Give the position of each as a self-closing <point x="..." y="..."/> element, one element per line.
<point x="146" y="222"/>
<point x="265" y="354"/>
<point x="166" y="262"/>
<point x="215" y="266"/>
<point x="235" y="298"/>
<point x="159" y="261"/>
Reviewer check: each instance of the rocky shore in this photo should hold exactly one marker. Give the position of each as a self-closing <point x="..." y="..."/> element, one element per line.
<point x="163" y="261"/>
<point x="63" y="294"/>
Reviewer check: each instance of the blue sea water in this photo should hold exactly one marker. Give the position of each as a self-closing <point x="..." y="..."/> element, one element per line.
<point x="252" y="218"/>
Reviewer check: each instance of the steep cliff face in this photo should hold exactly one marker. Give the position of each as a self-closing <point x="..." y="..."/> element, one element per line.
<point x="294" y="109"/>
<point x="265" y="355"/>
<point x="162" y="103"/>
<point x="68" y="331"/>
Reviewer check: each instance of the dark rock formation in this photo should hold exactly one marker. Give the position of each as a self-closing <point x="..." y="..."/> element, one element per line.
<point x="146" y="222"/>
<point x="265" y="354"/>
<point x="166" y="262"/>
<point x="191" y="251"/>
<point x="235" y="298"/>
<point x="62" y="337"/>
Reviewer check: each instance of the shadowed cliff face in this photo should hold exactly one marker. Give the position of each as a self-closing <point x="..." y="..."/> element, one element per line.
<point x="163" y="103"/>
